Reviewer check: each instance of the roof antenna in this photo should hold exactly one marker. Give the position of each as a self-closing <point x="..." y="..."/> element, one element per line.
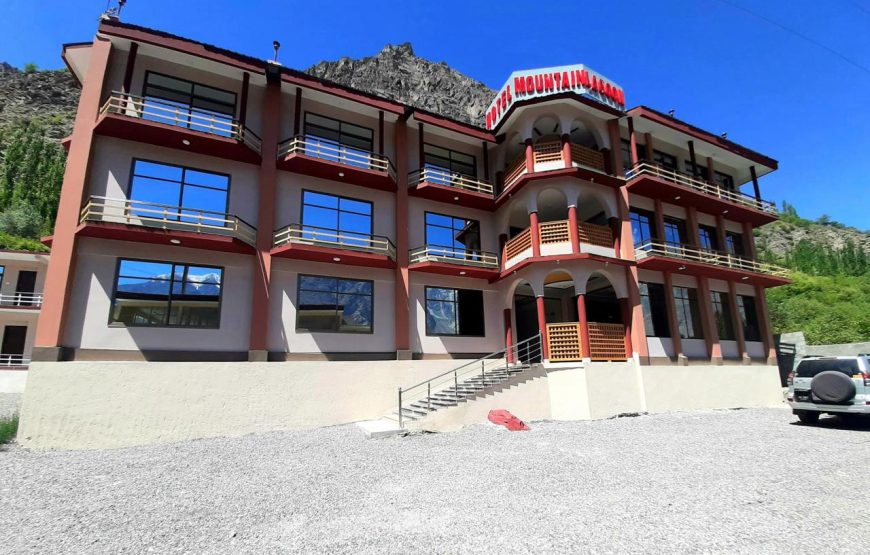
<point x="671" y="113"/>
<point x="724" y="135"/>
<point x="277" y="46"/>
<point x="113" y="13"/>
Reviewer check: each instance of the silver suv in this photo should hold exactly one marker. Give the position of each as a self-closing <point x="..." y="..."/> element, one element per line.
<point x="834" y="385"/>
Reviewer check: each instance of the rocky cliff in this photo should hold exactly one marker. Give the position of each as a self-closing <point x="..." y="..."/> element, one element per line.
<point x="47" y="97"/>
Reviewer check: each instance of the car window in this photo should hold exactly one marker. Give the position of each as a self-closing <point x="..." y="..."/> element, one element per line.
<point x="809" y="368"/>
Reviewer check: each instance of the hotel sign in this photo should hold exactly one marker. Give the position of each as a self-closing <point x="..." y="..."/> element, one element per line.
<point x="534" y="83"/>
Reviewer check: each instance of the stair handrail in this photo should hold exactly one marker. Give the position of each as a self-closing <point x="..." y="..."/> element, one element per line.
<point x="511" y="354"/>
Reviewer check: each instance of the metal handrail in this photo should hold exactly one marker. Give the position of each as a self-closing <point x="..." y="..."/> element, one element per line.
<point x="465" y="257"/>
<point x="21" y="299"/>
<point x="327" y="149"/>
<point x="707" y="256"/>
<point x="13" y="360"/>
<point x="315" y="235"/>
<point x="522" y="354"/>
<point x="644" y="168"/>
<point x="150" y="214"/>
<point x="134" y="106"/>
<point x="448" y="178"/>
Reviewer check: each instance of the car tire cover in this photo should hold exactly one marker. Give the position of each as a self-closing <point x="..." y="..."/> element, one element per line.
<point x="833" y="386"/>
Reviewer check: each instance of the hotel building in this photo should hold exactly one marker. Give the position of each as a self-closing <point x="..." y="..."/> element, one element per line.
<point x="217" y="207"/>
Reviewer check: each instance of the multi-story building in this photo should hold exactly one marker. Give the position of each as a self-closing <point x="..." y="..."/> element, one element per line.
<point x="219" y="207"/>
<point x="22" y="274"/>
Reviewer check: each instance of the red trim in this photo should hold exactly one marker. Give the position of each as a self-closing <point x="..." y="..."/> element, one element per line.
<point x="579" y="173"/>
<point x="447" y="269"/>
<point x="327" y="169"/>
<point x="666" y="264"/>
<point x="316" y="253"/>
<point x="157" y="236"/>
<point x="453" y="125"/>
<point x="562" y="258"/>
<point x="446" y="194"/>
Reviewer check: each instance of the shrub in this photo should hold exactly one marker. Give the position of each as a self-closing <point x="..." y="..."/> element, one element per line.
<point x="22" y="220"/>
<point x="8" y="428"/>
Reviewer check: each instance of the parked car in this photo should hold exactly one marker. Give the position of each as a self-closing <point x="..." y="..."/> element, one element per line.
<point x="834" y="385"/>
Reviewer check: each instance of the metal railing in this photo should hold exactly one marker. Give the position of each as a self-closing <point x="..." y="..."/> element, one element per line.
<point x="33" y="300"/>
<point x="447" y="178"/>
<point x="513" y="357"/>
<point x="153" y="109"/>
<point x="717" y="258"/>
<point x="179" y="218"/>
<point x="323" y="237"/>
<point x="738" y="197"/>
<point x="325" y="149"/>
<point x="13" y="360"/>
<point x="465" y="257"/>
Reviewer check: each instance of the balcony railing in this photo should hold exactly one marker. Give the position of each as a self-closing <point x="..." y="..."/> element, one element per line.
<point x="13" y="360"/>
<point x="559" y="231"/>
<point x="317" y="147"/>
<point x="704" y="256"/>
<point x="450" y="255"/>
<point x="32" y="300"/>
<point x="606" y="341"/>
<point x="330" y="238"/>
<point x="449" y="179"/>
<point x="594" y="234"/>
<point x="701" y="186"/>
<point x="550" y="152"/>
<point x="153" y="109"/>
<point x="518" y="244"/>
<point x="149" y="214"/>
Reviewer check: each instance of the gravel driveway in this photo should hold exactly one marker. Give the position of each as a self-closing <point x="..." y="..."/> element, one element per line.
<point x="719" y="481"/>
<point x="9" y="403"/>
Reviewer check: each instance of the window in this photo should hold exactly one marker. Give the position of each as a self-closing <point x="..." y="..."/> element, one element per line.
<point x="626" y="153"/>
<point x="187" y="104"/>
<point x="327" y="304"/>
<point x="641" y="227"/>
<point x="703" y="172"/>
<point x="734" y="243"/>
<point x="723" y="180"/>
<point x="811" y="368"/>
<point x="453" y="233"/>
<point x="655" y="315"/>
<point x="192" y="190"/>
<point x="448" y="161"/>
<point x="161" y="294"/>
<point x="675" y="232"/>
<point x="454" y="312"/>
<point x="707" y="238"/>
<point x="350" y="218"/>
<point x="688" y="317"/>
<point x="665" y="161"/>
<point x="2" y="273"/>
<point x="722" y="314"/>
<point x="339" y="141"/>
<point x="748" y="317"/>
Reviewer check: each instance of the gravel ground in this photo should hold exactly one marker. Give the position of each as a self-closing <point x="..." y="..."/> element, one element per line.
<point x="721" y="481"/>
<point x="9" y="403"/>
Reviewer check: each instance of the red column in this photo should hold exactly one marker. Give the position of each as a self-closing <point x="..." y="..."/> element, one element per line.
<point x="573" y="231"/>
<point x="616" y="164"/>
<point x="566" y="151"/>
<point x="403" y="286"/>
<point x="711" y="179"/>
<point x="616" y="230"/>
<point x="749" y="240"/>
<point x="708" y="321"/>
<point x="61" y="267"/>
<point x="536" y="234"/>
<point x="131" y="65"/>
<point x="530" y="156"/>
<point x="764" y="325"/>
<point x="720" y="233"/>
<point x="502" y="241"/>
<point x="738" y="324"/>
<point x="673" y="326"/>
<point x="650" y="147"/>
<point x="694" y="232"/>
<point x="584" y="325"/>
<point x="638" y="329"/>
<point x="659" y="221"/>
<point x="625" y="311"/>
<point x="297" y="112"/>
<point x="270" y="129"/>
<point x="632" y="140"/>
<point x="542" y="325"/>
<point x="508" y="335"/>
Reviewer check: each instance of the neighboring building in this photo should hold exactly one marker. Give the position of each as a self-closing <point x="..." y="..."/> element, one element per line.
<point x="219" y="207"/>
<point x="22" y="274"/>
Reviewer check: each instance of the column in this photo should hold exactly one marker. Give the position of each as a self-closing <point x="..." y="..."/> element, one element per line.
<point x="693" y="159"/>
<point x="650" y="147"/>
<point x="738" y="323"/>
<point x="632" y="140"/>
<point x="711" y="178"/>
<point x="542" y="325"/>
<point x="502" y="241"/>
<point x="720" y="233"/>
<point x="764" y="325"/>
<point x="530" y="156"/>
<point x="566" y="151"/>
<point x="616" y="163"/>
<point x="131" y="65"/>
<point x="573" y="231"/>
<point x="755" y="187"/>
<point x="61" y="266"/>
<point x="403" y="285"/>
<point x="268" y="177"/>
<point x="673" y="326"/>
<point x="508" y="335"/>
<point x="708" y="321"/>
<point x="536" y="234"/>
<point x="659" y="221"/>
<point x="584" y="325"/>
<point x="625" y="312"/>
<point x="694" y="232"/>
<point x="297" y="112"/>
<point x="616" y="230"/>
<point x="749" y="241"/>
<point x="626" y="244"/>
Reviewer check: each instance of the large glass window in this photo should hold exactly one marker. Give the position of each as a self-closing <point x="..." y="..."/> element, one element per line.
<point x="347" y="217"/>
<point x="707" y="238"/>
<point x="327" y="304"/>
<point x="454" y="312"/>
<point x="447" y="162"/>
<point x="641" y="227"/>
<point x="626" y="153"/>
<point x="655" y="315"/>
<point x="702" y="172"/>
<point x="665" y="161"/>
<point x="449" y="233"/>
<point x="336" y="140"/>
<point x="722" y="313"/>
<point x="723" y="180"/>
<point x="166" y="294"/>
<point x="734" y="243"/>
<point x="187" y="104"/>
<point x="675" y="232"/>
<point x="187" y="188"/>
<point x="748" y="317"/>
<point x="688" y="316"/>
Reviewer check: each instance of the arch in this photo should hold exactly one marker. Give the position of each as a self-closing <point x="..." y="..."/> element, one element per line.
<point x="552" y="204"/>
<point x="602" y="299"/>
<point x="582" y="134"/>
<point x="514" y="147"/>
<point x="546" y="127"/>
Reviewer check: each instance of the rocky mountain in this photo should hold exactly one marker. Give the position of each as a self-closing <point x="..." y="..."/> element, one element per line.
<point x="47" y="97"/>
<point x="782" y="236"/>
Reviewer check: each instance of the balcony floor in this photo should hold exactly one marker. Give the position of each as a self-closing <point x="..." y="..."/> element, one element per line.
<point x="160" y="236"/>
<point x="667" y="264"/>
<point x="448" y="194"/>
<point x="328" y="169"/>
<point x="348" y="257"/>
<point x="655" y="187"/>
<point x="562" y="258"/>
<point x="575" y="172"/>
<point x="171" y="136"/>
<point x="447" y="269"/>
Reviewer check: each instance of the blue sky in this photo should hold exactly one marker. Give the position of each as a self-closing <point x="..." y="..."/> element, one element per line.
<point x="719" y="67"/>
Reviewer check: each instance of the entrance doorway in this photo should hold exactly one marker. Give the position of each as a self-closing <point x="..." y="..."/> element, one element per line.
<point x="25" y="288"/>
<point x="12" y="350"/>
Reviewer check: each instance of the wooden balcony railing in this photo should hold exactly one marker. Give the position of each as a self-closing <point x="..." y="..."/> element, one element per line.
<point x="153" y="109"/>
<point x="699" y="185"/>
<point x="716" y="258"/>
<point x="606" y="342"/>
<point x="515" y="170"/>
<point x="594" y="234"/>
<point x="551" y="151"/>
<point x="149" y="214"/>
<point x="447" y="178"/>
<point x="518" y="244"/>
<point x="325" y="149"/>
<point x="588" y="157"/>
<point x="31" y="300"/>
<point x="330" y="238"/>
<point x="563" y="342"/>
<point x="464" y="257"/>
<point x="560" y="232"/>
<point x="555" y="232"/>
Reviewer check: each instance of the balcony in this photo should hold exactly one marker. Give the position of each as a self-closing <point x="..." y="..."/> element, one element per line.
<point x="606" y="342"/>
<point x="669" y="257"/>
<point x="327" y="159"/>
<point x="549" y="160"/>
<point x="147" y="222"/>
<point x="450" y="261"/>
<point x="305" y="242"/>
<point x="151" y="121"/>
<point x="555" y="240"/>
<point x="446" y="186"/>
<point x="29" y="301"/>
<point x="653" y="181"/>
